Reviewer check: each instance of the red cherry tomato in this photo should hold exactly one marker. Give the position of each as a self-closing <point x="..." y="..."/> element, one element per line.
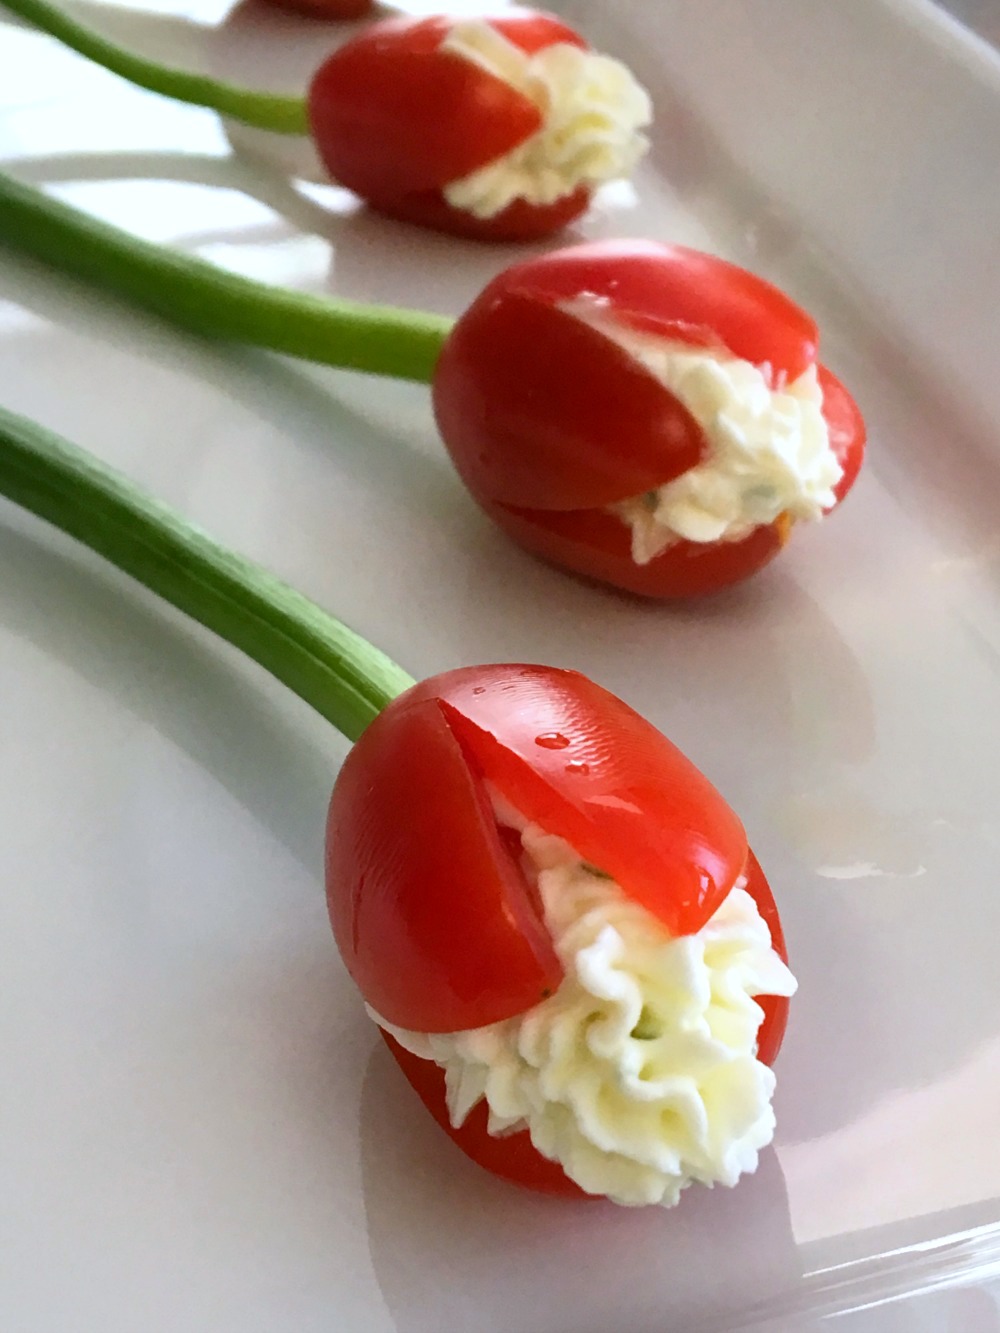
<point x="327" y="9"/>
<point x="549" y="421"/>
<point x="514" y="1157"/>
<point x="434" y="919"/>
<point x="396" y="119"/>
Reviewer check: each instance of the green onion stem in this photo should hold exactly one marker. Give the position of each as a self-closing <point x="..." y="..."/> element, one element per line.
<point x="187" y="291"/>
<point x="345" y="678"/>
<point x="266" y="111"/>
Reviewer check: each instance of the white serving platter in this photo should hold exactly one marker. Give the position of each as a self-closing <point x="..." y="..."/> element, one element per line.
<point x="200" y="1128"/>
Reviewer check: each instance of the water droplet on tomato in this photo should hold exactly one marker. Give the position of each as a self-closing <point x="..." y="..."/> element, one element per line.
<point x="579" y="767"/>
<point x="480" y="689"/>
<point x="552" y="740"/>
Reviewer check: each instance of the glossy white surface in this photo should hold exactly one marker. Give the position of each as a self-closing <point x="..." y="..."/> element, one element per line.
<point x="200" y="1129"/>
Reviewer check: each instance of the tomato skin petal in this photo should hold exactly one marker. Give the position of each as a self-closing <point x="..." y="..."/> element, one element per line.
<point x="653" y="288"/>
<point x="392" y="115"/>
<point x="598" y="546"/>
<point x="434" y="921"/>
<point x="539" y="410"/>
<point x="532" y="30"/>
<point x="846" y="426"/>
<point x="618" y="791"/>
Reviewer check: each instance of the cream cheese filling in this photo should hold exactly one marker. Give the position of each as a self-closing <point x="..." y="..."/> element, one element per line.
<point x="639" y="1075"/>
<point x="593" y="109"/>
<point x="768" y="450"/>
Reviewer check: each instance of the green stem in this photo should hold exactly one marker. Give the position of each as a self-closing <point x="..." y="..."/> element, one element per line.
<point x="381" y="340"/>
<point x="343" y="677"/>
<point x="266" y="111"/>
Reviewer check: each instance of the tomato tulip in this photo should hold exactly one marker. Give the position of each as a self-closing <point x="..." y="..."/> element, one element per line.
<point x="551" y="422"/>
<point x="498" y="129"/>
<point x="400" y="114"/>
<point x="433" y="915"/>
<point x="546" y="390"/>
<point x="432" y="906"/>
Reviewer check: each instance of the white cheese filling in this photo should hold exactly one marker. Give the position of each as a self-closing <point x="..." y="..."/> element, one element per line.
<point x="593" y="113"/>
<point x="639" y="1074"/>
<point x="768" y="450"/>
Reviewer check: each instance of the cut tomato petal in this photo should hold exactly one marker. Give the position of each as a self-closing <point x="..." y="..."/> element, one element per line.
<point x="578" y="761"/>
<point x="433" y="918"/>
<point x="846" y="426"/>
<point x="539" y="410"/>
<point x="392" y="114"/>
<point x="664" y="288"/>
<point x="532" y="31"/>
<point x="772" y="1029"/>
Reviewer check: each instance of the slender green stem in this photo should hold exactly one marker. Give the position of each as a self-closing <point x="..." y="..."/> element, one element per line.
<point x="343" y="677"/>
<point x="381" y="340"/>
<point x="266" y="111"/>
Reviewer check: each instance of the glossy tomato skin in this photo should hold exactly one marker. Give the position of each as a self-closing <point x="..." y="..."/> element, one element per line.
<point x="598" y="547"/>
<point x="514" y="1157"/>
<point x="433" y="916"/>
<point x="540" y="411"/>
<point x="775" y="1007"/>
<point x="396" y="119"/>
<point x="847" y="429"/>
<point x="549" y="421"/>
<point x="519" y="221"/>
<point x="676" y="291"/>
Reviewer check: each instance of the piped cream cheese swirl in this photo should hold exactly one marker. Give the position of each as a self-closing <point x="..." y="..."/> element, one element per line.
<point x="768" y="450"/>
<point x="639" y="1075"/>
<point x="593" y="109"/>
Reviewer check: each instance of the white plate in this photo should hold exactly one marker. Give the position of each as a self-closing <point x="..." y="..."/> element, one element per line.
<point x="200" y="1128"/>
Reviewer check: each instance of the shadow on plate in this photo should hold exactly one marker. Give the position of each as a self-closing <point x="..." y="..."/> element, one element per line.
<point x="454" y="1248"/>
<point x="177" y="685"/>
<point x="222" y="172"/>
<point x="319" y="410"/>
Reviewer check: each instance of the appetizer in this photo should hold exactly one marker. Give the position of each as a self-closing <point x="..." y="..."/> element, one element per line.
<point x="553" y="917"/>
<point x="497" y="129"/>
<point x="648" y="416"/>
